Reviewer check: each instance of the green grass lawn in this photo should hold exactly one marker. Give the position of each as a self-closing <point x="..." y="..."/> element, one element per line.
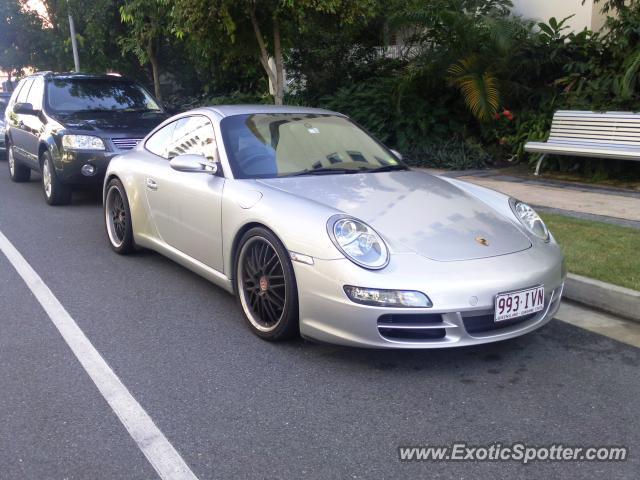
<point x="598" y="250"/>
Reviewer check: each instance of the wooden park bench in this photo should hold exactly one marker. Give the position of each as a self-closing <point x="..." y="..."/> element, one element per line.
<point x="590" y="134"/>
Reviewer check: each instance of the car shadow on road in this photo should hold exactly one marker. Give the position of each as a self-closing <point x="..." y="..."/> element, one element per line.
<point x="83" y="195"/>
<point x="507" y="360"/>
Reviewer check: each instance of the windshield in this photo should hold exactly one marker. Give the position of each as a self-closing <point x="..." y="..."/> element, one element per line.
<point x="266" y="145"/>
<point x="95" y="94"/>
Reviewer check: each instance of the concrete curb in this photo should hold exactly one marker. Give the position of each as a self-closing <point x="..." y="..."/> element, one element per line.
<point x="619" y="301"/>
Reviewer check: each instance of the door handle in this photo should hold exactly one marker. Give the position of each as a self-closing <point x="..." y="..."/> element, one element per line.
<point x="151" y="184"/>
<point x="21" y="124"/>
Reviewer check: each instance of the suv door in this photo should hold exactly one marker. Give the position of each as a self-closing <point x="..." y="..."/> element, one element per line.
<point x="32" y="125"/>
<point x="16" y="122"/>
<point x="186" y="207"/>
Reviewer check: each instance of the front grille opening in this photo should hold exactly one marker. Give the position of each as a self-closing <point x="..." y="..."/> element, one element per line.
<point x="486" y="323"/>
<point x="417" y="318"/>
<point x="125" y="143"/>
<point x="407" y="326"/>
<point x="397" y="334"/>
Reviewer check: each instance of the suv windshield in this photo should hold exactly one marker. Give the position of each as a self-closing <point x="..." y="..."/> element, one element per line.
<point x="96" y="94"/>
<point x="265" y="145"/>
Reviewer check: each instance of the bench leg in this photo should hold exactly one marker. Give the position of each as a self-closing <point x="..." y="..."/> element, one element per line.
<point x="542" y="157"/>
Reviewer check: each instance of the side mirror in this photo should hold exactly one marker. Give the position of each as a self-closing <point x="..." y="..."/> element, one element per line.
<point x="193" y="163"/>
<point x="396" y="153"/>
<point x="24" y="109"/>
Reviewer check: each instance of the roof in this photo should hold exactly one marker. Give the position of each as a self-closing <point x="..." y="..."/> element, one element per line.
<point x="229" y="110"/>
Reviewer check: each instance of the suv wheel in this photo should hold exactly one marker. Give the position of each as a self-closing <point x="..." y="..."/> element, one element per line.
<point x="55" y="192"/>
<point x="19" y="173"/>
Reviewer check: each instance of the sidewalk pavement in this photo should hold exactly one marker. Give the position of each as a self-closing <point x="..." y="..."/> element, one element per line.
<point x="586" y="201"/>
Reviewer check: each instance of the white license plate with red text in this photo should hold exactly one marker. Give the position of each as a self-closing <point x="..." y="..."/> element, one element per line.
<point x="518" y="304"/>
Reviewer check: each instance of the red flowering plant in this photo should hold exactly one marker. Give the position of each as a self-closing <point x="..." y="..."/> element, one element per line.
<point x="502" y="129"/>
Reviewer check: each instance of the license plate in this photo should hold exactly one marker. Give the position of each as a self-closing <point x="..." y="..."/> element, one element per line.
<point x="518" y="304"/>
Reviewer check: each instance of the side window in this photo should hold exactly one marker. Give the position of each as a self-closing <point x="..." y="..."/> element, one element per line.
<point x="36" y="93"/>
<point x="194" y="135"/>
<point x="24" y="91"/>
<point x="159" y="142"/>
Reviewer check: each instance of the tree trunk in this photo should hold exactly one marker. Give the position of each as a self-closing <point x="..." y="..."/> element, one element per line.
<point x="153" y="59"/>
<point x="156" y="77"/>
<point x="264" y="55"/>
<point x="277" y="51"/>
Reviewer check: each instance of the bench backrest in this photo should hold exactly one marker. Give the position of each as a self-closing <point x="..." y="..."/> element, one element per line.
<point x="621" y="128"/>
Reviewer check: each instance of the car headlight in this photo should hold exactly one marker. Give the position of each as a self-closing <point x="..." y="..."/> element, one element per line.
<point x="358" y="242"/>
<point x="82" y="142"/>
<point x="530" y="219"/>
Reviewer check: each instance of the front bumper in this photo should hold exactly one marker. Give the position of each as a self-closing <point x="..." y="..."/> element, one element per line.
<point x="71" y="163"/>
<point x="462" y="293"/>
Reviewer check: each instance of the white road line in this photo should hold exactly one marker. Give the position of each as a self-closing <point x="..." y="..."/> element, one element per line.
<point x="154" y="445"/>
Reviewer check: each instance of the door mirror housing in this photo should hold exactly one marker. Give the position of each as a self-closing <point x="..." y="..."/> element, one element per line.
<point x="396" y="153"/>
<point x="194" y="164"/>
<point x="24" y="109"/>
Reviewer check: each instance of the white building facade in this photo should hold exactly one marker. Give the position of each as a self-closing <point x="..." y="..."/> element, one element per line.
<point x="585" y="16"/>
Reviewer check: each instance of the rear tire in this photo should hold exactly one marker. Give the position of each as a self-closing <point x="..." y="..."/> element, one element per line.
<point x="266" y="286"/>
<point x="17" y="172"/>
<point x="55" y="192"/>
<point x="117" y="216"/>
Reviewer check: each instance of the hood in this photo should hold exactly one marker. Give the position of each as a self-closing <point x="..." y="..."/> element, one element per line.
<point x="133" y="124"/>
<point x="418" y="211"/>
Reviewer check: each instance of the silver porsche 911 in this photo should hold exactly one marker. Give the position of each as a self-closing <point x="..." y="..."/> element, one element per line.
<point x="320" y="230"/>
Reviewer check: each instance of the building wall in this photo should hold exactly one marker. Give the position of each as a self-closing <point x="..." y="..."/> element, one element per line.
<point x="585" y="16"/>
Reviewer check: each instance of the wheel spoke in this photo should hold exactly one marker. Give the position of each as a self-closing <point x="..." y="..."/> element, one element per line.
<point x="272" y="299"/>
<point x="271" y="313"/>
<point x="276" y="295"/>
<point x="252" y="261"/>
<point x="265" y="254"/>
<point x="247" y="270"/>
<point x="271" y="263"/>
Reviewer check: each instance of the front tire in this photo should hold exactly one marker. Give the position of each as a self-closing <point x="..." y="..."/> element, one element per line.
<point x="55" y="192"/>
<point x="266" y="286"/>
<point x="117" y="216"/>
<point x="17" y="172"/>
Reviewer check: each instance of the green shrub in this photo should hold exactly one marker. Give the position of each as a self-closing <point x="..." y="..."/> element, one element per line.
<point x="454" y="154"/>
<point x="179" y="103"/>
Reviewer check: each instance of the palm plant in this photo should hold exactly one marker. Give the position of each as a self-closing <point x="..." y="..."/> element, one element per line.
<point x="484" y="74"/>
<point x="478" y="85"/>
<point x="484" y="42"/>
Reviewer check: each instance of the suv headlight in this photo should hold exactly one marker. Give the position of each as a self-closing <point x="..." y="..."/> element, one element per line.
<point x="82" y="142"/>
<point x="358" y="242"/>
<point x="530" y="219"/>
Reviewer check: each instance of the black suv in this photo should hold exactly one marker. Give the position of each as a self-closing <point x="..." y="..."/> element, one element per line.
<point x="68" y="126"/>
<point x="4" y="100"/>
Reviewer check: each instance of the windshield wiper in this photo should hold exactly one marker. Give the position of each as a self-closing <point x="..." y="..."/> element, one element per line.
<point x="141" y="110"/>
<point x="322" y="171"/>
<point x="387" y="168"/>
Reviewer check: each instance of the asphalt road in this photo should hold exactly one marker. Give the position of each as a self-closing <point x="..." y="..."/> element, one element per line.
<point x="235" y="406"/>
